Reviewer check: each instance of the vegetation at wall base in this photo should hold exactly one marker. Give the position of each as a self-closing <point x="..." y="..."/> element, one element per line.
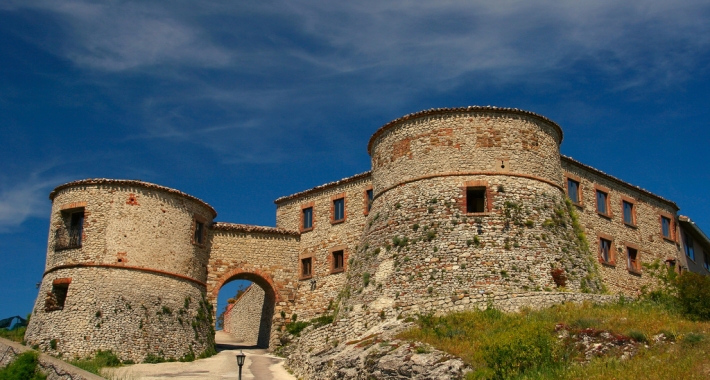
<point x="99" y="360"/>
<point x="295" y="328"/>
<point x="15" y="335"/>
<point x="24" y="367"/>
<point x="655" y="339"/>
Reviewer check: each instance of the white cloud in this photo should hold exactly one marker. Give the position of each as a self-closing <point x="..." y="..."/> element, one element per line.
<point x="24" y="199"/>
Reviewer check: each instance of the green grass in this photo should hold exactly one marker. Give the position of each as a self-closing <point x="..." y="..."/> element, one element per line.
<point x="24" y="367"/>
<point x="16" y="335"/>
<point x="100" y="360"/>
<point x="525" y="345"/>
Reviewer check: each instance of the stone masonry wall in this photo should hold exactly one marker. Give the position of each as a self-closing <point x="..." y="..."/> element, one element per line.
<point x="644" y="235"/>
<point x="465" y="142"/>
<point x="420" y="241"/>
<point x="243" y="319"/>
<point x="135" y="285"/>
<point x="325" y="237"/>
<point x="266" y="256"/>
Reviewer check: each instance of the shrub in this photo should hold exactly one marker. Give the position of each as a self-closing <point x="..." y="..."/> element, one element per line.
<point x="559" y="276"/>
<point x="295" y="328"/>
<point x="523" y="348"/>
<point x="153" y="359"/>
<point x="24" y="367"/>
<point x="15" y="335"/>
<point x="101" y="359"/>
<point x="694" y="295"/>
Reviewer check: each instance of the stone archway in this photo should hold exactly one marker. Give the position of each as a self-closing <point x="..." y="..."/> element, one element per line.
<point x="266" y="320"/>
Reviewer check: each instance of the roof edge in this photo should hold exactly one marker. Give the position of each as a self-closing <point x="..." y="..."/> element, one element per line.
<point x="617" y="180"/>
<point x="440" y="111"/>
<point x="686" y="220"/>
<point x="224" y="226"/>
<point x="129" y="182"/>
<point x="324" y="187"/>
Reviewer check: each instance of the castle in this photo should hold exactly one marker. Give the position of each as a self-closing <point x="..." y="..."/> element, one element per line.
<point x="462" y="206"/>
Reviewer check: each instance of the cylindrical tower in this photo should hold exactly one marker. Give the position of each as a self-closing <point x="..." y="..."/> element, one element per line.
<point x="467" y="201"/>
<point x="126" y="271"/>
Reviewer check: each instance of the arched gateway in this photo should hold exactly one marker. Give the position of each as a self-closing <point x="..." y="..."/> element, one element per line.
<point x="262" y="255"/>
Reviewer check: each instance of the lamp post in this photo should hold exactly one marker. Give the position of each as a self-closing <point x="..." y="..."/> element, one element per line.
<point x="240" y="362"/>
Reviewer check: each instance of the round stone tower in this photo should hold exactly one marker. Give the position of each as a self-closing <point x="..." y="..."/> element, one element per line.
<point x="467" y="202"/>
<point x="126" y="271"/>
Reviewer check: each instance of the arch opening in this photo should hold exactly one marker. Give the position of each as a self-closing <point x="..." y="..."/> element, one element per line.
<point x="248" y="318"/>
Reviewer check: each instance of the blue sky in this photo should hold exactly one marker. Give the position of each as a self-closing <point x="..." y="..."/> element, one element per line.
<point x="239" y="103"/>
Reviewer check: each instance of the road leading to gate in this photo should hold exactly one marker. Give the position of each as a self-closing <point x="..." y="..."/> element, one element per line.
<point x="257" y="365"/>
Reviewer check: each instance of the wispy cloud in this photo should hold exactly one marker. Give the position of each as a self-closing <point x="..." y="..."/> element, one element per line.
<point x="249" y="66"/>
<point x="24" y="199"/>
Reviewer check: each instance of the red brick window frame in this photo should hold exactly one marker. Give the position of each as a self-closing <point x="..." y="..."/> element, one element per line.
<point x="671" y="226"/>
<point x="56" y="299"/>
<point x="367" y="201"/>
<point x="633" y="258"/>
<point x="607" y="201"/>
<point x="333" y="203"/>
<point x="306" y="267"/>
<point x="199" y="231"/>
<point x="471" y="187"/>
<point x="304" y="207"/>
<point x="624" y="217"/>
<point x="608" y="241"/>
<point x="571" y="177"/>
<point x="337" y="259"/>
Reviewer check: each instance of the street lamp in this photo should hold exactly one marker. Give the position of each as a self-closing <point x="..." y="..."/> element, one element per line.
<point x="240" y="362"/>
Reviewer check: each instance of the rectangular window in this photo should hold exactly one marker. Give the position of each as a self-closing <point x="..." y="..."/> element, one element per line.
<point x="573" y="190"/>
<point x="306" y="267"/>
<point x="602" y="202"/>
<point x="338" y="210"/>
<point x="338" y="261"/>
<point x="475" y="199"/>
<point x="706" y="262"/>
<point x="629" y="213"/>
<point x="666" y="227"/>
<point x="57" y="297"/>
<point x="689" y="249"/>
<point x="632" y="261"/>
<point x="370" y="196"/>
<point x="605" y="251"/>
<point x="198" y="237"/>
<point x="70" y="235"/>
<point x="307" y="218"/>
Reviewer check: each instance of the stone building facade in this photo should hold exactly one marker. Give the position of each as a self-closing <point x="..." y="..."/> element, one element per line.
<point x="462" y="206"/>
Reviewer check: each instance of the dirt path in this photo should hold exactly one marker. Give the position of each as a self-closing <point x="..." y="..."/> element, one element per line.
<point x="257" y="365"/>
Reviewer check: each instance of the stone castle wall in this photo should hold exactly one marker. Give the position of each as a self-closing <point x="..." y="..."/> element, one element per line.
<point x="326" y="237"/>
<point x="135" y="285"/>
<point x="266" y="256"/>
<point x="420" y="241"/>
<point x="644" y="234"/>
<point x="243" y="319"/>
<point x="141" y="283"/>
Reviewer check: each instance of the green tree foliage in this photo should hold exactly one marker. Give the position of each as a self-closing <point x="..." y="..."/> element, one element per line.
<point x="24" y="367"/>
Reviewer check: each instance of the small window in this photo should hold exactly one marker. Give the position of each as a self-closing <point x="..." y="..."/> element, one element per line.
<point x="706" y="262"/>
<point x="689" y="249"/>
<point x="369" y="195"/>
<point x="666" y="228"/>
<point x="632" y="260"/>
<point x="199" y="234"/>
<point x="475" y="199"/>
<point x="573" y="190"/>
<point x="605" y="251"/>
<point x="629" y="213"/>
<point x="307" y="218"/>
<point x="56" y="298"/>
<point x="338" y="261"/>
<point x="338" y="210"/>
<point x="70" y="235"/>
<point x="306" y="267"/>
<point x="602" y="202"/>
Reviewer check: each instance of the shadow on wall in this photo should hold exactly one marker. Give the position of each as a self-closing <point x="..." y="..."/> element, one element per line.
<point x="249" y="318"/>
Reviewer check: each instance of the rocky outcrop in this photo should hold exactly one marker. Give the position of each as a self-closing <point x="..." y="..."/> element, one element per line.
<point x="375" y="355"/>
